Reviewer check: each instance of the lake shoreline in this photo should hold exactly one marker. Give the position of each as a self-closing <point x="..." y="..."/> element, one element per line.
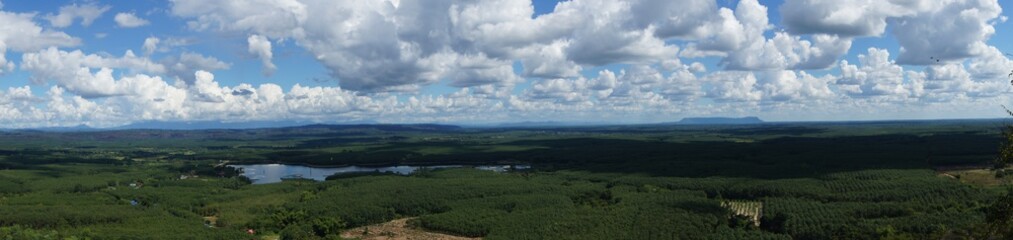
<point x="382" y="164"/>
<point x="273" y="172"/>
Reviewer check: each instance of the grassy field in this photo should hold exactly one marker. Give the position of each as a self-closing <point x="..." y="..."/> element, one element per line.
<point x="777" y="181"/>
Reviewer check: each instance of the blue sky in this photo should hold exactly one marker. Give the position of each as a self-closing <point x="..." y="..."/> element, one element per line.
<point x="628" y="61"/>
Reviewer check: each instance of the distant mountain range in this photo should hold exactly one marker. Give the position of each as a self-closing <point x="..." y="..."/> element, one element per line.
<point x="196" y="125"/>
<point x="720" y="120"/>
<point x="199" y="125"/>
<point x="78" y="128"/>
<point x="206" y="125"/>
<point x="209" y="125"/>
<point x="546" y="124"/>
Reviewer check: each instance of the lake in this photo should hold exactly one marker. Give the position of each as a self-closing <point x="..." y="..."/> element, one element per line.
<point x="272" y="173"/>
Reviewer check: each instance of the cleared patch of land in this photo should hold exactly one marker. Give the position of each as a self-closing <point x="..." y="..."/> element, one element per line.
<point x="980" y="177"/>
<point x="398" y="229"/>
<point x="751" y="209"/>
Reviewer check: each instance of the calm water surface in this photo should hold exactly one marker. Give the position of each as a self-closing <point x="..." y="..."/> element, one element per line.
<point x="272" y="173"/>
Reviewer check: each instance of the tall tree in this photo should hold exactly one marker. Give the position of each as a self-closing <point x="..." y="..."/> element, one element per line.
<point x="999" y="217"/>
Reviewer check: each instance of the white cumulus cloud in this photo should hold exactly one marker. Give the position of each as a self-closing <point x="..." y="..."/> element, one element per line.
<point x="86" y="12"/>
<point x="129" y="20"/>
<point x="260" y="46"/>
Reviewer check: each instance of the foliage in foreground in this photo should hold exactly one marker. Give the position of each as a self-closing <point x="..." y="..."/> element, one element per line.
<point x="467" y="202"/>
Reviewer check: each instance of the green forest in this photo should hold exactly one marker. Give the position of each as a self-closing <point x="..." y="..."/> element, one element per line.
<point x="869" y="180"/>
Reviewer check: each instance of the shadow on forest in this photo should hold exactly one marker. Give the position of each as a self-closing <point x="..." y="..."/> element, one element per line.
<point x="783" y="157"/>
<point x="775" y="152"/>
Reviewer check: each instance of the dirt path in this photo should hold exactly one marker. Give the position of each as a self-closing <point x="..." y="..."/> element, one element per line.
<point x="397" y="229"/>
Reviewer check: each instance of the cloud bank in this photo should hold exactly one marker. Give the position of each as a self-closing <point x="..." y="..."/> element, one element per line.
<point x="497" y="60"/>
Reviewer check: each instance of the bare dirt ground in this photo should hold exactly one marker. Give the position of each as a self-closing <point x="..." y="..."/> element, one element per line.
<point x="397" y="229"/>
<point x="981" y="177"/>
